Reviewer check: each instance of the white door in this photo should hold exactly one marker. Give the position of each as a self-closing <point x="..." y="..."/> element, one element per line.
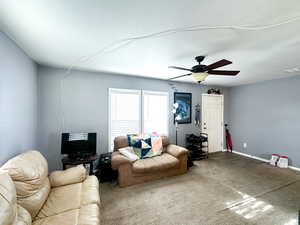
<point x="212" y="121"/>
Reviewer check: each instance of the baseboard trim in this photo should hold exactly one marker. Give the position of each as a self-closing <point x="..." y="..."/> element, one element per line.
<point x="259" y="158"/>
<point x="251" y="156"/>
<point x="294" y="168"/>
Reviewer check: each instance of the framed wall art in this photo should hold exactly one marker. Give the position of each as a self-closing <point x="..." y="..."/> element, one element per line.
<point x="183" y="103"/>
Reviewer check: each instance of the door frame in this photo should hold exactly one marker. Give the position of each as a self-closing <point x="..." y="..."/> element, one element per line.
<point x="222" y="113"/>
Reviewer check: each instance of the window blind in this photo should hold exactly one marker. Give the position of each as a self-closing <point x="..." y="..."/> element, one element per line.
<point x="125" y="116"/>
<point x="155" y="112"/>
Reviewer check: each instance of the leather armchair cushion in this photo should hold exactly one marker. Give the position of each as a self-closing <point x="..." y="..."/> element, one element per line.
<point x="24" y="217"/>
<point x="8" y="200"/>
<point x="86" y="215"/>
<point x="70" y="197"/>
<point x="34" y="203"/>
<point x="10" y="212"/>
<point x="65" y="218"/>
<point x="89" y="215"/>
<point x="176" y="150"/>
<point x="155" y="164"/>
<point x="90" y="191"/>
<point x="29" y="172"/>
<point x="61" y="199"/>
<point x="70" y="176"/>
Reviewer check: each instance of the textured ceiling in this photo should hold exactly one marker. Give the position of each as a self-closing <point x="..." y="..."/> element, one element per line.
<point x="91" y="35"/>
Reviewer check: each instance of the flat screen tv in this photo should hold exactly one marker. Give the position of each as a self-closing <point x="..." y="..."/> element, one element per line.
<point x="78" y="144"/>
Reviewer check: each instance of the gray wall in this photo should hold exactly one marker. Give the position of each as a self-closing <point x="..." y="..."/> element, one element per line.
<point x="84" y="101"/>
<point x="18" y="100"/>
<point x="267" y="117"/>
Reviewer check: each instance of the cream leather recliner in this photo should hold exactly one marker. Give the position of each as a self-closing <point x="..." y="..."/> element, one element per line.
<point x="66" y="197"/>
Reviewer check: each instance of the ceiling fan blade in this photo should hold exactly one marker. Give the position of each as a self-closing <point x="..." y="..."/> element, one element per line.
<point x="180" y="76"/>
<point x="218" y="64"/>
<point x="179" y="68"/>
<point x="224" y="72"/>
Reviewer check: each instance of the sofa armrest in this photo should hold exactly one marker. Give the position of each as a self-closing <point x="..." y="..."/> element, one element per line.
<point x="72" y="175"/>
<point x="176" y="150"/>
<point x="118" y="159"/>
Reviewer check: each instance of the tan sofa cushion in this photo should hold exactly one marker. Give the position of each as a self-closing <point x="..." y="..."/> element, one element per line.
<point x="10" y="212"/>
<point x="29" y="172"/>
<point x="176" y="150"/>
<point x="70" y="197"/>
<point x="154" y="164"/>
<point x="120" y="142"/>
<point x="119" y="159"/>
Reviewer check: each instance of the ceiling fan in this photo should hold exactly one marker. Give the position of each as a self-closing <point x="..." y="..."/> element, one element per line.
<point x="200" y="71"/>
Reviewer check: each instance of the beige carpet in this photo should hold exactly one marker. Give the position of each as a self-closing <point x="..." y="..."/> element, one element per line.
<point x="226" y="189"/>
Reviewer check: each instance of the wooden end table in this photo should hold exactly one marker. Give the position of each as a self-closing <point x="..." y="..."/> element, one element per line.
<point x="77" y="161"/>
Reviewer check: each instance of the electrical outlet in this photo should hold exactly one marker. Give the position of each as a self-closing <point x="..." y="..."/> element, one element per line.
<point x="245" y="145"/>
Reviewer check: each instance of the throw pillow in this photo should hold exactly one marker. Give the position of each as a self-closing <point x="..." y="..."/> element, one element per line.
<point x="129" y="138"/>
<point x="129" y="153"/>
<point x="146" y="146"/>
<point x="157" y="146"/>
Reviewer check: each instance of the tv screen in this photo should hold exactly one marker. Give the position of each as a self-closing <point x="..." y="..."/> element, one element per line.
<point x="78" y="143"/>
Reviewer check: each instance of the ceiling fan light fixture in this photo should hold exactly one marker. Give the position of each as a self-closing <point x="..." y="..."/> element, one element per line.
<point x="199" y="77"/>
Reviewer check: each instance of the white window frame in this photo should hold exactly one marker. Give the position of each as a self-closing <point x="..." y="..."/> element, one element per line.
<point x="141" y="110"/>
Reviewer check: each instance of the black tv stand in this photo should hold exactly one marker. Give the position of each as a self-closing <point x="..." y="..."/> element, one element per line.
<point x="67" y="160"/>
<point x="79" y="156"/>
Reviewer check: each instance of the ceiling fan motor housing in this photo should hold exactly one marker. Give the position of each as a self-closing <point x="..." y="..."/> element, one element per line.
<point x="198" y="68"/>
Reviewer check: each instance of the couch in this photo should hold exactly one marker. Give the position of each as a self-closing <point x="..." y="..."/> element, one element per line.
<point x="29" y="195"/>
<point x="172" y="162"/>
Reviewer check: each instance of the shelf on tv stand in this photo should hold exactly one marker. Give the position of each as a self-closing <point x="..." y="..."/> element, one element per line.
<point x="77" y="161"/>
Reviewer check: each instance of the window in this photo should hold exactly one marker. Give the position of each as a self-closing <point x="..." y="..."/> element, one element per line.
<point x="155" y="112"/>
<point x="136" y="111"/>
<point x="124" y="112"/>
